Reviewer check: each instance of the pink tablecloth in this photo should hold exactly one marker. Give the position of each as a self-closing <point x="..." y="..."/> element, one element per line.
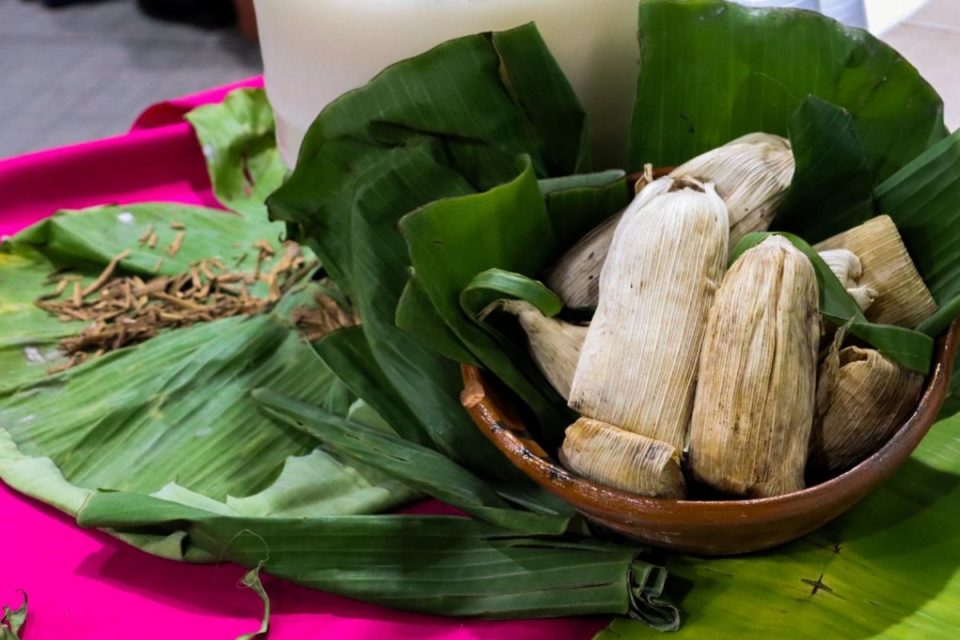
<point x="85" y="585"/>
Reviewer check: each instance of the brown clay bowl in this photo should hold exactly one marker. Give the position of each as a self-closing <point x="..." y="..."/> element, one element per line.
<point x="714" y="527"/>
<point x="723" y="527"/>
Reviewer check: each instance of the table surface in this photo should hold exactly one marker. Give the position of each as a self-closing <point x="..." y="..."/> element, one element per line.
<point x="85" y="584"/>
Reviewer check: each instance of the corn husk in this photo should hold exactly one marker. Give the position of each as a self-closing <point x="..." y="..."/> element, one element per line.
<point x="751" y="174"/>
<point x="554" y="344"/>
<point x="617" y="458"/>
<point x="638" y="363"/>
<point x="846" y="266"/>
<point x="901" y="296"/>
<point x="755" y="396"/>
<point x="859" y="407"/>
<point x="863" y="296"/>
<point x="575" y="277"/>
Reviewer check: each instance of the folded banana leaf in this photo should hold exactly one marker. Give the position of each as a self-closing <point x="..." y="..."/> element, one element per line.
<point x="371" y="157"/>
<point x="419" y="467"/>
<point x="435" y="564"/>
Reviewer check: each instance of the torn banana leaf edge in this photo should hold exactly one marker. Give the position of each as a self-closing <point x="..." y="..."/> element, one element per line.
<point x="240" y="150"/>
<point x="12" y="620"/>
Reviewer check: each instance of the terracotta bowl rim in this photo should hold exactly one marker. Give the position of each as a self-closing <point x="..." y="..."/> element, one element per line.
<point x="936" y="383"/>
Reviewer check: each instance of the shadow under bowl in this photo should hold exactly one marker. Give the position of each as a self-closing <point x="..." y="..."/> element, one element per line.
<point x="721" y="527"/>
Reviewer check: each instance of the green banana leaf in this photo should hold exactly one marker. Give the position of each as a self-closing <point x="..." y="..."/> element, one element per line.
<point x="480" y="75"/>
<point x="237" y="139"/>
<point x="347" y="352"/>
<point x="28" y="334"/>
<point x="417" y="317"/>
<point x="12" y="621"/>
<point x="88" y="239"/>
<point x="912" y="349"/>
<point x="711" y="71"/>
<point x="158" y="417"/>
<point x="452" y="240"/>
<point x="578" y="203"/>
<point x="832" y="183"/>
<point x="923" y="199"/>
<point x="890" y="568"/>
<point x="434" y="564"/>
<point x="491" y="285"/>
<point x="419" y="467"/>
<point x="85" y="241"/>
<point x="386" y="149"/>
<point x="508" y="81"/>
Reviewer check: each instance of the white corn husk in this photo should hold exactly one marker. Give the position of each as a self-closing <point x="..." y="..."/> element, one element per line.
<point x="575" y="277"/>
<point x="846" y="266"/>
<point x="617" y="458"/>
<point x="755" y="397"/>
<point x="859" y="406"/>
<point x="554" y="344"/>
<point x="638" y="364"/>
<point x="902" y="298"/>
<point x="863" y="296"/>
<point x="751" y="174"/>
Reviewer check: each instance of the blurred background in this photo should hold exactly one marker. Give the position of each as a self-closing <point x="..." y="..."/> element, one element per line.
<point x="76" y="70"/>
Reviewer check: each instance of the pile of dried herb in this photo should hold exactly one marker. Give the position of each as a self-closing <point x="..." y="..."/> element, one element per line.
<point x="127" y="309"/>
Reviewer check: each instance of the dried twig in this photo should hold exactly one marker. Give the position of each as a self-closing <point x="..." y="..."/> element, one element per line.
<point x="106" y="273"/>
<point x="174" y="247"/>
<point x="130" y="309"/>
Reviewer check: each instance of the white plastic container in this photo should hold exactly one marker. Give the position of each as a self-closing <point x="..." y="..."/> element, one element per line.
<point x="315" y="50"/>
<point x="852" y="13"/>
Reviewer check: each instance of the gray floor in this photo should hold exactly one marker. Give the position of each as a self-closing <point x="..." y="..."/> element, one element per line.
<point x="85" y="71"/>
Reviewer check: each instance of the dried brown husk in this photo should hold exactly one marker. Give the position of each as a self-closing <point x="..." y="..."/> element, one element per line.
<point x="623" y="460"/>
<point x="750" y="173"/>
<point x="902" y="298"/>
<point x="755" y="397"/>
<point x="575" y="277"/>
<point x="638" y="364"/>
<point x="859" y="406"/>
<point x="554" y="344"/>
